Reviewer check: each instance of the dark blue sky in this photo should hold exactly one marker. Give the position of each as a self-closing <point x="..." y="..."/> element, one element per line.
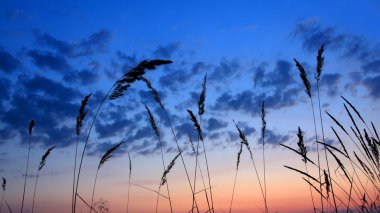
<point x="54" y="53"/>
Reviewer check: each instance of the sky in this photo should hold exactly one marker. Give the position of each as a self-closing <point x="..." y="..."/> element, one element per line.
<point x="53" y="54"/>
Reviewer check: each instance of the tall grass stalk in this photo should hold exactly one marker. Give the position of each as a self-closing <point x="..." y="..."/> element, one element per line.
<point x="157" y="133"/>
<point x="31" y="126"/>
<point x="81" y="116"/>
<point x="158" y="100"/>
<point x="42" y="164"/>
<point x="263" y="127"/>
<point x="320" y="62"/>
<point x="3" y="187"/>
<point x="129" y="179"/>
<point x="245" y="142"/>
<point x="106" y="156"/>
<point x="201" y="173"/>
<point x="236" y="172"/>
<point x="201" y="111"/>
<point x="116" y="91"/>
<point x="307" y="85"/>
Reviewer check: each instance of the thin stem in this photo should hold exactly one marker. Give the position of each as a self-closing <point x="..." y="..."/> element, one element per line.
<point x="86" y="142"/>
<point x="233" y="191"/>
<point x="311" y="192"/>
<point x="167" y="182"/>
<point x="26" y="173"/>
<point x="324" y="141"/>
<point x="204" y="151"/>
<point x="316" y="139"/>
<point x="179" y="150"/>
<point x="93" y="190"/>
<point x="2" y="200"/>
<point x="75" y="168"/>
<point x="35" y="189"/>
<point x="129" y="179"/>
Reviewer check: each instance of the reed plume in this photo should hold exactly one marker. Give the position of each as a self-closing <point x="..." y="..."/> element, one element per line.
<point x="244" y="141"/>
<point x="80" y="118"/>
<point x="303" y="76"/>
<point x="106" y="156"/>
<point x="30" y="130"/>
<point x="135" y="74"/>
<point x="158" y="100"/>
<point x="42" y="164"/>
<point x="167" y="170"/>
<point x="157" y="133"/>
<point x="263" y="127"/>
<point x="202" y="97"/>
<point x="236" y="171"/>
<point x="117" y="90"/>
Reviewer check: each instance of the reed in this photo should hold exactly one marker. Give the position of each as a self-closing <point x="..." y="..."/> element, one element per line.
<point x="3" y="187"/>
<point x="116" y="91"/>
<point x="30" y="130"/>
<point x="80" y="118"/>
<point x="157" y="133"/>
<point x="42" y="164"/>
<point x="106" y="156"/>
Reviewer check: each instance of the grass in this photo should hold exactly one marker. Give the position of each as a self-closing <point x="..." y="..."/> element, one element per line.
<point x="356" y="189"/>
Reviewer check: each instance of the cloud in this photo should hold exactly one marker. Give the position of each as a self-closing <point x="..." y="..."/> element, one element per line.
<point x="5" y="87"/>
<point x="176" y="79"/>
<point x="95" y="43"/>
<point x="331" y="81"/>
<point x="274" y="138"/>
<point x="349" y="46"/>
<point x="279" y="78"/>
<point x="49" y="60"/>
<point x="83" y="77"/>
<point x="249" y="102"/>
<point x="214" y="124"/>
<point x="313" y="35"/>
<point x="114" y="128"/>
<point x="226" y="69"/>
<point x="46" y="101"/>
<point x="373" y="86"/>
<point x="8" y="63"/>
<point x="167" y="51"/>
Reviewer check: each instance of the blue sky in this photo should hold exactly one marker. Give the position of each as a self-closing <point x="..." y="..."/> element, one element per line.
<point x="52" y="54"/>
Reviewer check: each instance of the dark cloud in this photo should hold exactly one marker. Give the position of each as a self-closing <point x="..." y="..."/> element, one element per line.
<point x="280" y="78"/>
<point x="249" y="102"/>
<point x="176" y="79"/>
<point x="114" y="128"/>
<point x="331" y="81"/>
<point x="5" y="88"/>
<point x="313" y="35"/>
<point x="167" y="51"/>
<point x="49" y="60"/>
<point x="227" y="69"/>
<point x="147" y="98"/>
<point x="372" y="66"/>
<point x="183" y="130"/>
<point x="274" y="138"/>
<point x="49" y="103"/>
<point x="8" y="63"/>
<point x="83" y="77"/>
<point x="373" y="86"/>
<point x="215" y="124"/>
<point x="95" y="43"/>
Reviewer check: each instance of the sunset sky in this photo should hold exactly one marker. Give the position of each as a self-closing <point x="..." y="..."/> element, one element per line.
<point x="54" y="53"/>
